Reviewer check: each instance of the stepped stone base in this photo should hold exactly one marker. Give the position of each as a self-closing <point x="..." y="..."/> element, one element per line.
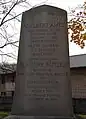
<point x="37" y="117"/>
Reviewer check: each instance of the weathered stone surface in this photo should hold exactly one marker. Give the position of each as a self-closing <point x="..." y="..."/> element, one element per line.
<point x="37" y="117"/>
<point x="43" y="74"/>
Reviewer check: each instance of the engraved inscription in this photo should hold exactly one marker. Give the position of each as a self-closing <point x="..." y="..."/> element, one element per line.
<point x="46" y="67"/>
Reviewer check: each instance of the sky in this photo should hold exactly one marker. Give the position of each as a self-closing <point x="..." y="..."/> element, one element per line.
<point x="64" y="4"/>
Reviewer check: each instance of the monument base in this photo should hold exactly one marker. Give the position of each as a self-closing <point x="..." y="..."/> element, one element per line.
<point x="37" y="117"/>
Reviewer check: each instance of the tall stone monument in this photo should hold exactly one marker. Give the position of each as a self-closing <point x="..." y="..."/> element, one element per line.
<point x="43" y="87"/>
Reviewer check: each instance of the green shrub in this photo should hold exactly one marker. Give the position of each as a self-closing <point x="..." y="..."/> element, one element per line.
<point x="3" y="114"/>
<point x="82" y="116"/>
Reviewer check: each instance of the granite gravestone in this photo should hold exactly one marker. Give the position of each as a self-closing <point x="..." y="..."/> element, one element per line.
<point x="43" y="87"/>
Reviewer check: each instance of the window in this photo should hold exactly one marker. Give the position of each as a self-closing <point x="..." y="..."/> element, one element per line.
<point x="3" y="79"/>
<point x="12" y="80"/>
<point x="12" y="93"/>
<point x="3" y="94"/>
<point x="9" y="93"/>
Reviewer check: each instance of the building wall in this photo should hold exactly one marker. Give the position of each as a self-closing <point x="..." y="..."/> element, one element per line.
<point x="7" y="87"/>
<point x="78" y="81"/>
<point x="7" y="84"/>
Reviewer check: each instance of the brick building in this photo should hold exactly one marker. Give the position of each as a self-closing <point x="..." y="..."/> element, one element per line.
<point x="78" y="81"/>
<point x="7" y="87"/>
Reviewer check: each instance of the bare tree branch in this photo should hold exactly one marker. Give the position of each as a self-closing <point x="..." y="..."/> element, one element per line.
<point x="7" y="54"/>
<point x="2" y="3"/>
<point x="8" y="13"/>
<point x="13" y="17"/>
<point x="9" y="44"/>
